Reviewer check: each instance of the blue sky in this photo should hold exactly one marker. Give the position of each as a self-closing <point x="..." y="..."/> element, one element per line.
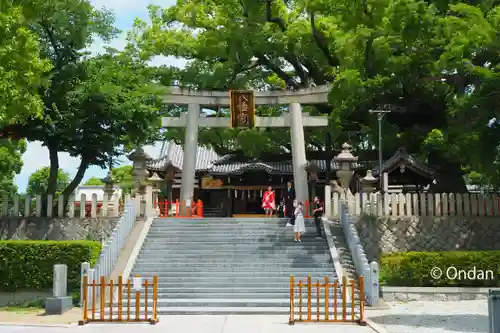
<point x="126" y="11"/>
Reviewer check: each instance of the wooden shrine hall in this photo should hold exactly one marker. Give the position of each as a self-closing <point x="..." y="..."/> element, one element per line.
<point x="233" y="185"/>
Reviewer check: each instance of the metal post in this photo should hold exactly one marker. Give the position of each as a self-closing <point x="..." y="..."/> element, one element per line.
<point x="380" y="155"/>
<point x="380" y="116"/>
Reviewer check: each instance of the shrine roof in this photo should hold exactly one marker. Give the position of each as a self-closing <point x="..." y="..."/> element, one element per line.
<point x="174" y="156"/>
<point x="283" y="167"/>
<point x="401" y="156"/>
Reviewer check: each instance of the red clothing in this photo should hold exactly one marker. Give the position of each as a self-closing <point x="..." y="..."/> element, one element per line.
<point x="268" y="200"/>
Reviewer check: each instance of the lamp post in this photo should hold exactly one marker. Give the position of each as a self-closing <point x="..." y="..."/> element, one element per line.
<point x="380" y="116"/>
<point x="139" y="158"/>
<point x="155" y="181"/>
<point x="109" y="190"/>
<point x="312" y="170"/>
<point x="367" y="182"/>
<point x="346" y="162"/>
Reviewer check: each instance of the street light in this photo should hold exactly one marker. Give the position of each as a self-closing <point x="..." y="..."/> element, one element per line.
<point x="380" y="115"/>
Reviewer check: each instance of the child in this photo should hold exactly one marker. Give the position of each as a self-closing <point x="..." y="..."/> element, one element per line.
<point x="299" y="226"/>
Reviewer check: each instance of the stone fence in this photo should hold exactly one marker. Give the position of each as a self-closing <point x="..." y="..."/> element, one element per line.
<point x="413" y="204"/>
<point x="82" y="207"/>
<point x="382" y="235"/>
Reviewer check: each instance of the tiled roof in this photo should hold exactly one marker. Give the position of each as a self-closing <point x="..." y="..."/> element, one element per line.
<point x="174" y="155"/>
<point x="240" y="167"/>
<point x="284" y="167"/>
<point x="402" y="156"/>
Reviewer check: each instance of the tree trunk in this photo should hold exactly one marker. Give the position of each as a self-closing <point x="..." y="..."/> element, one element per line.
<point x="84" y="164"/>
<point x="52" y="181"/>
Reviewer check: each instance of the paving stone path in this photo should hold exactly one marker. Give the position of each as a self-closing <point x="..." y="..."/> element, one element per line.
<point x="433" y="317"/>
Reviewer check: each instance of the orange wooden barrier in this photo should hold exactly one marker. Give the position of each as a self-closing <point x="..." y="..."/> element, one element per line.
<point x="98" y="309"/>
<point x="326" y="294"/>
<point x="180" y="210"/>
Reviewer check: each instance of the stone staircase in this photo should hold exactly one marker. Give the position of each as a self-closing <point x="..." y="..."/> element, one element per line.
<point x="231" y="265"/>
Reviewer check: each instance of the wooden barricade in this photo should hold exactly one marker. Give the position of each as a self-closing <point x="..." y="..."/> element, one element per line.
<point x="326" y="300"/>
<point x="179" y="209"/>
<point x="105" y="301"/>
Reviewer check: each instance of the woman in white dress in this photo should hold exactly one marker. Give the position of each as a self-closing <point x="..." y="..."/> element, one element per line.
<point x="299" y="226"/>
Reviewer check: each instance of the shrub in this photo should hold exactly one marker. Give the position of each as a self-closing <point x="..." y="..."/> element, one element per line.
<point x="459" y="269"/>
<point x="29" y="264"/>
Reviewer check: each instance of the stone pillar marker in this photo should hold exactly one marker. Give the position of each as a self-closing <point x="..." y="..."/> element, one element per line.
<point x="60" y="302"/>
<point x="299" y="160"/>
<point x="190" y="150"/>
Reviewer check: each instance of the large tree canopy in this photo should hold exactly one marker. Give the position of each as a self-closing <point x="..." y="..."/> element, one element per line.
<point x="21" y="68"/>
<point x="94" y="108"/>
<point x="38" y="181"/>
<point x="434" y="62"/>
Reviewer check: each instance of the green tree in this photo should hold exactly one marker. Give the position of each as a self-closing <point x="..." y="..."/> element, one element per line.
<point x="38" y="181"/>
<point x="121" y="175"/>
<point x="22" y="70"/>
<point x="94" y="108"/>
<point x="93" y="181"/>
<point x="11" y="163"/>
<point x="419" y="57"/>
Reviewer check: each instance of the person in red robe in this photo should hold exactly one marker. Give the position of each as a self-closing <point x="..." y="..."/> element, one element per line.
<point x="268" y="201"/>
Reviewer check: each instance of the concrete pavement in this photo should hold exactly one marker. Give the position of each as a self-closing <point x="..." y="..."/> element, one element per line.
<point x="205" y="324"/>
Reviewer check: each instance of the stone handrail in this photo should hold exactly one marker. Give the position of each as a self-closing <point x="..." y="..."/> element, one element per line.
<point x="113" y="246"/>
<point x="368" y="270"/>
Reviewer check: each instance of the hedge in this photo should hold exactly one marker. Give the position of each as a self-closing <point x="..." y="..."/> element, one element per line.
<point x="459" y="269"/>
<point x="29" y="264"/>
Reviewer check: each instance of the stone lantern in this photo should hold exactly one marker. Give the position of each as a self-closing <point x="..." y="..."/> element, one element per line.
<point x="368" y="182"/>
<point x="346" y="162"/>
<point x="155" y="181"/>
<point x="313" y="170"/>
<point x="139" y="159"/>
<point x="109" y="189"/>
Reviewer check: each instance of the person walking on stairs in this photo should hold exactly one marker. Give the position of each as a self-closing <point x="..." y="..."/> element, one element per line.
<point x="318" y="214"/>
<point x="299" y="226"/>
<point x="268" y="202"/>
<point x="289" y="198"/>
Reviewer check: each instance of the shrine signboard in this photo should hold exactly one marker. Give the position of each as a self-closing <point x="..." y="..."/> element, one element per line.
<point x="242" y="105"/>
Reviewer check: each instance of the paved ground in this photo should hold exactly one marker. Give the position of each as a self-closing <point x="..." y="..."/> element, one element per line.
<point x="38" y="317"/>
<point x="205" y="324"/>
<point x="433" y="317"/>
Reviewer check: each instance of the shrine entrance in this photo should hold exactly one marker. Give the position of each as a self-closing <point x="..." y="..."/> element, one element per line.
<point x="243" y="115"/>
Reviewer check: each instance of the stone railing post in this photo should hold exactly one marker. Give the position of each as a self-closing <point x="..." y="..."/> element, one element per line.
<point x="328" y="201"/>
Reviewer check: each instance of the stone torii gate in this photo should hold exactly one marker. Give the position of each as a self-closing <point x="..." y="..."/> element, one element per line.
<point x="295" y="120"/>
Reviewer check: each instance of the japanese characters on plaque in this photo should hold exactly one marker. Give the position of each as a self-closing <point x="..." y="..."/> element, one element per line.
<point x="242" y="109"/>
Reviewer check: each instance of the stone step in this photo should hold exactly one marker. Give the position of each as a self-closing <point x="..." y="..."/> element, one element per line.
<point x="261" y="249"/>
<point x="231" y="246"/>
<point x="228" y="274"/>
<point x="226" y="295"/>
<point x="231" y="311"/>
<point x="233" y="270"/>
<point x="237" y="267"/>
<point x="230" y="290"/>
<point x="231" y="302"/>
<point x="182" y="241"/>
<point x="193" y="260"/>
